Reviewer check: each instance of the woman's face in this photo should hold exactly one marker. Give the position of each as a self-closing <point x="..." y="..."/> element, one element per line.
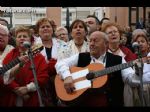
<point x="124" y="39"/>
<point x="78" y="32"/>
<point x="45" y="31"/>
<point x="144" y="46"/>
<point x="21" y="37"/>
<point x="62" y="35"/>
<point x="113" y="34"/>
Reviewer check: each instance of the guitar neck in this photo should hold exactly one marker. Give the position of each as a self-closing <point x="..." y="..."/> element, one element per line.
<point x="113" y="69"/>
<point x="8" y="66"/>
<point x="5" y="68"/>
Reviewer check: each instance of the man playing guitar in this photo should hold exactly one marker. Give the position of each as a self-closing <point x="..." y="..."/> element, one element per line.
<point x="111" y="93"/>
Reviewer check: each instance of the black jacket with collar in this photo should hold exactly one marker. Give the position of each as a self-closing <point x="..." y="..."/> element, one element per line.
<point x="114" y="86"/>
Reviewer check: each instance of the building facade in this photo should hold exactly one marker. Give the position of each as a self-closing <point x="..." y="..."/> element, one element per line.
<point x="59" y="13"/>
<point x="124" y="16"/>
<point x="22" y="15"/>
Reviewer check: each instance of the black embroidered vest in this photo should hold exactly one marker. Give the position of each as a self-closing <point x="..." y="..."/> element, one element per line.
<point x="114" y="86"/>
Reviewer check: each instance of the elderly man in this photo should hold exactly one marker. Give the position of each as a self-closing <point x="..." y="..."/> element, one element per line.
<point x="111" y="94"/>
<point x="11" y="40"/>
<point x="5" y="48"/>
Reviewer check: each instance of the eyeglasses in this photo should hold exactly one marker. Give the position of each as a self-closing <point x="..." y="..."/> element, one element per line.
<point x="112" y="32"/>
<point x="63" y="34"/>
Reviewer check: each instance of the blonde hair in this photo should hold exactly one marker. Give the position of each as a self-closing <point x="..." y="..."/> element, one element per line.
<point x="103" y="29"/>
<point x="40" y="22"/>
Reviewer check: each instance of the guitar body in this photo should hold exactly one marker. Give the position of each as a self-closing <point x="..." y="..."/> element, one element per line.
<point x="96" y="83"/>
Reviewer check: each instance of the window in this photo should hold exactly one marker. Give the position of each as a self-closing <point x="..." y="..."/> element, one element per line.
<point x="22" y="16"/>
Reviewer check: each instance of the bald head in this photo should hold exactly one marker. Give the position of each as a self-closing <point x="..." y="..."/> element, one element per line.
<point x="99" y="34"/>
<point x="98" y="43"/>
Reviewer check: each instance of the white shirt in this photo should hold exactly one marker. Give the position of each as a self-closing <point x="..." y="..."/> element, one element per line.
<point x="6" y="76"/>
<point x="62" y="67"/>
<point x="146" y="72"/>
<point x="58" y="50"/>
<point x="37" y="40"/>
<point x="74" y="50"/>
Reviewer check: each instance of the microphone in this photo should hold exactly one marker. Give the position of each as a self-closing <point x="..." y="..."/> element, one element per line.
<point x="27" y="44"/>
<point x="136" y="47"/>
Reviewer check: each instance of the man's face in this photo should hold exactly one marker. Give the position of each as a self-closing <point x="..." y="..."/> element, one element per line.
<point x="3" y="39"/>
<point x="91" y="23"/>
<point x="98" y="44"/>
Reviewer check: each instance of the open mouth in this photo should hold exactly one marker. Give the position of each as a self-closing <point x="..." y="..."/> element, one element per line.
<point x="114" y="38"/>
<point x="45" y="32"/>
<point x="78" y="33"/>
<point x="92" y="49"/>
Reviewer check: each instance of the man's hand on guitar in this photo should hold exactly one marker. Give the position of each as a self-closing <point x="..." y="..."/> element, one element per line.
<point x="69" y="85"/>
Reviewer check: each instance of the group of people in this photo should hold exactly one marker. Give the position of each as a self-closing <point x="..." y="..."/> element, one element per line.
<point x="89" y="41"/>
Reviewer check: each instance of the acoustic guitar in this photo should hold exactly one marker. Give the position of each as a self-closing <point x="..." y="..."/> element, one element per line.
<point x="35" y="49"/>
<point x="82" y="84"/>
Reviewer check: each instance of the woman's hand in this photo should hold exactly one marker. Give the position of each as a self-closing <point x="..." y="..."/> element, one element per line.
<point x="21" y="91"/>
<point x="24" y="58"/>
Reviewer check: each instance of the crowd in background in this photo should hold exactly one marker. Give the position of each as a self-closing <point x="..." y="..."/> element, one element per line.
<point x="18" y="86"/>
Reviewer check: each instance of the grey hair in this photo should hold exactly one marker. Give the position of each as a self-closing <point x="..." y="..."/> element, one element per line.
<point x="105" y="36"/>
<point x="138" y="31"/>
<point x="4" y="28"/>
<point x="61" y="28"/>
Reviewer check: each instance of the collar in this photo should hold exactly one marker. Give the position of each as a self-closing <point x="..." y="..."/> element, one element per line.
<point x="102" y="58"/>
